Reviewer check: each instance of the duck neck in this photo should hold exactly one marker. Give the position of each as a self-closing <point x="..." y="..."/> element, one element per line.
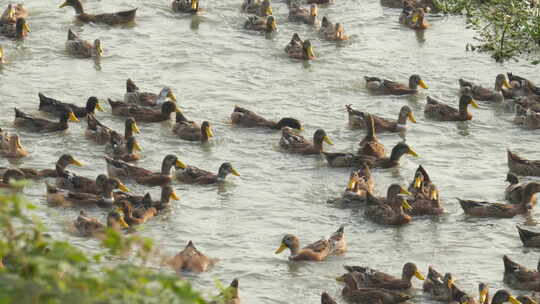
<point x="204" y="135"/>
<point x="128" y="131"/>
<point x="78" y="7"/>
<point x="64" y="121"/>
<point x="464" y="111"/>
<point x="166" y="167"/>
<point x="222" y="174"/>
<point x="395" y="155"/>
<point x="318" y="144"/>
<point x="402" y="118"/>
<point x="162" y="97"/>
<point x="294" y="248"/>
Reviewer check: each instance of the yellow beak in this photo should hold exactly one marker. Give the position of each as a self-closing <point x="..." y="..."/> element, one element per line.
<point x="209" y="132"/>
<point x="174" y="197"/>
<point x="274" y="25"/>
<point x="76" y="163"/>
<point x="64" y="4"/>
<point x="137" y="147"/>
<point x="474" y="104"/>
<point x="434" y="195"/>
<point x="327" y="140"/>
<point x="100" y="51"/>
<point x="483" y="296"/>
<point x="99" y="108"/>
<point x="177" y="110"/>
<point x="411" y="117"/>
<point x="123" y="222"/>
<point x="180" y="164"/>
<point x="412" y="152"/>
<point x="269" y="11"/>
<point x="234" y="172"/>
<point x="404" y="191"/>
<point x="19" y="145"/>
<point x="419" y="275"/>
<point x="171" y="96"/>
<point x="414" y="19"/>
<point x="513" y="300"/>
<point x="26" y="27"/>
<point x="352" y="182"/>
<point x="135" y="129"/>
<point x="193" y="4"/>
<point x="310" y="52"/>
<point x="1" y="52"/>
<point x="72" y="117"/>
<point x="450" y="283"/>
<point x="507" y="84"/>
<point x="406" y="205"/>
<point x="123" y="188"/>
<point x="281" y="248"/>
<point x="422" y="84"/>
<point x="341" y="278"/>
<point x="11" y="13"/>
<point x="417" y="182"/>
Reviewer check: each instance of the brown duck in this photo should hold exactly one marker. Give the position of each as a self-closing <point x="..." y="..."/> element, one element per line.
<point x="439" y="111"/>
<point x="191" y="259"/>
<point x="121" y="169"/>
<point x="122" y="17"/>
<point x="317" y="251"/>
<point x="246" y="118"/>
<point x="358" y="119"/>
<point x="529" y="238"/>
<point x="293" y="142"/>
<point x="143" y="114"/>
<point x="370" y="145"/>
<point x="371" y="278"/>
<point x="353" y="293"/>
<point x="522" y="166"/>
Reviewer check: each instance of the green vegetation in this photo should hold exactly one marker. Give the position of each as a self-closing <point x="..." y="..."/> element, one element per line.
<point x="38" y="269"/>
<point x="507" y="29"/>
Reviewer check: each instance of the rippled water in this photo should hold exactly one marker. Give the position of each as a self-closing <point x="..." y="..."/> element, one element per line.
<point x="212" y="64"/>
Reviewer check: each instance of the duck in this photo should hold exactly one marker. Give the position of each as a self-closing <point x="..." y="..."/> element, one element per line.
<point x="431" y="278"/>
<point x="293" y="142"/>
<point x="243" y="117"/>
<point x="439" y="111"/>
<point x="527" y="118"/>
<point x="101" y="134"/>
<point x="122" y="17"/>
<point x="41" y="125"/>
<point x="105" y="199"/>
<point x="121" y="169"/>
<point x="194" y="175"/>
<point x="523" y="166"/>
<point x="146" y="99"/>
<point x="520" y="277"/>
<point x="143" y="114"/>
<point x="370" y="145"/>
<point x="484" y="94"/>
<point x="529" y="238"/>
<point x="72" y="182"/>
<point x="442" y="288"/>
<point x="520" y="86"/>
<point x="335" y="33"/>
<point x="371" y="278"/>
<point x="77" y="47"/>
<point x="190" y="130"/>
<point x="301" y="14"/>
<point x="318" y="251"/>
<point x="387" y="87"/>
<point x="9" y="176"/>
<point x="191" y="259"/>
<point x="303" y="53"/>
<point x="127" y="152"/>
<point x="57" y="108"/>
<point x="358" y="120"/>
<point x="229" y="295"/>
<point x="136" y="217"/>
<point x="261" y="24"/>
<point x="360" y="183"/>
<point x="352" y="160"/>
<point x="12" y="13"/>
<point x="424" y="198"/>
<point x="15" y="150"/>
<point x="488" y="209"/>
<point x="186" y="6"/>
<point x="19" y="30"/>
<point x="327" y="299"/>
<point x="414" y="18"/>
<point x="88" y="226"/>
<point x="517" y="193"/>
<point x="167" y="194"/>
<point x="353" y="293"/>
<point x="60" y="165"/>
<point x="388" y="210"/>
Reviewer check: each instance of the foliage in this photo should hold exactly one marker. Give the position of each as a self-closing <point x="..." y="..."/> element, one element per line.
<point x="507" y="29"/>
<point x="38" y="269"/>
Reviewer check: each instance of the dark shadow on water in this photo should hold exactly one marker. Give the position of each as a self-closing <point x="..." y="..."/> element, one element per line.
<point x="420" y="36"/>
<point x="195" y="22"/>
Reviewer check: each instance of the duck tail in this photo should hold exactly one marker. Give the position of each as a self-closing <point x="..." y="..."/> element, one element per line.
<point x="431" y="101"/>
<point x="71" y="35"/>
<point x="130" y="86"/>
<point x="359" y="269"/>
<point x="20" y="114"/>
<point x="525" y="235"/>
<point x="509" y="265"/>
